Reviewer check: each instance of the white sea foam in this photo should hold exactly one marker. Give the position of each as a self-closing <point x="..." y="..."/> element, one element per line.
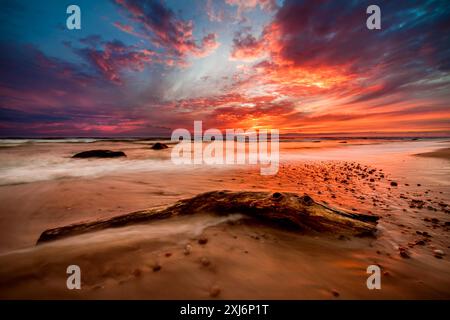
<point x="175" y="230"/>
<point x="42" y="169"/>
<point x="23" y="141"/>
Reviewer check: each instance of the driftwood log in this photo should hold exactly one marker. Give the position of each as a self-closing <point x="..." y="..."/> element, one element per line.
<point x="289" y="209"/>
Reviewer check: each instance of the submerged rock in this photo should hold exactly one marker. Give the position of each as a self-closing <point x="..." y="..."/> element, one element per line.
<point x="99" y="154"/>
<point x="159" y="146"/>
<point x="282" y="208"/>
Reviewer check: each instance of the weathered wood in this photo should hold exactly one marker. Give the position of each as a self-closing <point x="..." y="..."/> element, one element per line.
<point x="288" y="209"/>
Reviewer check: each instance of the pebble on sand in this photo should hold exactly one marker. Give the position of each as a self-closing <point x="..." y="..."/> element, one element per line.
<point x="335" y="293"/>
<point x="156" y="267"/>
<point x="187" y="249"/>
<point x="205" y="261"/>
<point x="214" y="291"/>
<point x="438" y="253"/>
<point x="202" y="240"/>
<point x="403" y="252"/>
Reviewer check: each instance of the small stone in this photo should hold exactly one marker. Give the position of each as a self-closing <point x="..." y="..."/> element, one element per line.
<point x="159" y="146"/>
<point x="205" y="261"/>
<point x="403" y="253"/>
<point x="214" y="291"/>
<point x="168" y="254"/>
<point x="203" y="240"/>
<point x="394" y="184"/>
<point x="335" y="293"/>
<point x="187" y="249"/>
<point x="438" y="253"/>
<point x="420" y="242"/>
<point x="156" y="267"/>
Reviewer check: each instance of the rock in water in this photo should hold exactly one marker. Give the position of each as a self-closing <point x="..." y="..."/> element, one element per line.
<point x="281" y="208"/>
<point x="99" y="154"/>
<point x="159" y="146"/>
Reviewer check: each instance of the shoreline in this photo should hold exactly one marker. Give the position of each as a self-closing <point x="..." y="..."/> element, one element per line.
<point x="242" y="258"/>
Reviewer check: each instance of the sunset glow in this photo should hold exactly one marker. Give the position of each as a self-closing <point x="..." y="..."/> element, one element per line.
<point x="139" y="68"/>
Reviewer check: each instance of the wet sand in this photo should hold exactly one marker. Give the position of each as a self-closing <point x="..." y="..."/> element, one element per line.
<point x="440" y="153"/>
<point x="243" y="258"/>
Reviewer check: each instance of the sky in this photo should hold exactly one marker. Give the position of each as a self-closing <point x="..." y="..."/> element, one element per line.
<point x="145" y="68"/>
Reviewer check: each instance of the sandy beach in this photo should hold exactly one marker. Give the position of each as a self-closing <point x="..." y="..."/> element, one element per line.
<point x="213" y="255"/>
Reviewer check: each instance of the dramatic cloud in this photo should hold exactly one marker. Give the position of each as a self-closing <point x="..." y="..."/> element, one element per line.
<point x="267" y="5"/>
<point x="246" y="46"/>
<point x="308" y="67"/>
<point x="166" y="29"/>
<point x="115" y="56"/>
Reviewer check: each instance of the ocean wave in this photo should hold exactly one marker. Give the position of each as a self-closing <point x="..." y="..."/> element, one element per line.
<point x="48" y="169"/>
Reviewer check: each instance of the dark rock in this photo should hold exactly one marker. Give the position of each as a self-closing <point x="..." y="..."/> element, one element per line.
<point x="99" y="154"/>
<point x="203" y="240"/>
<point x="335" y="293"/>
<point x="159" y="146"/>
<point x="394" y="184"/>
<point x="403" y="252"/>
<point x="156" y="267"/>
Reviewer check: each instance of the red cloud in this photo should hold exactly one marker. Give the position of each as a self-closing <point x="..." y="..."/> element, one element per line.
<point x="166" y="30"/>
<point x="116" y="56"/>
<point x="267" y="5"/>
<point x="247" y="47"/>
